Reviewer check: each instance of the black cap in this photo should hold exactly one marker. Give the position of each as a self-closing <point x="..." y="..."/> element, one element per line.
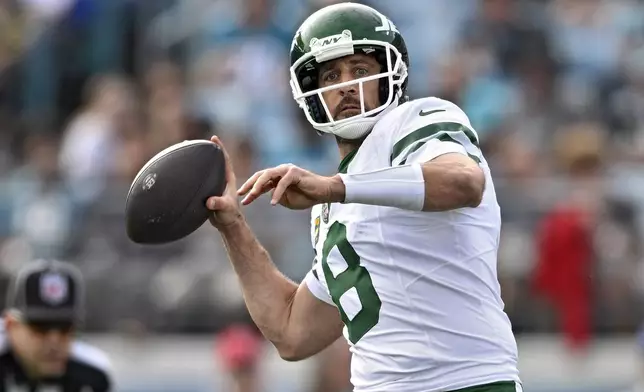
<point x="47" y="291"/>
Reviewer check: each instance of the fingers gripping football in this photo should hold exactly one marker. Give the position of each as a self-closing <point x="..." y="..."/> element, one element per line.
<point x="226" y="207"/>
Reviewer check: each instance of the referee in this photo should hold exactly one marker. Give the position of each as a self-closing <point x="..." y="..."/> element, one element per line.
<point x="37" y="349"/>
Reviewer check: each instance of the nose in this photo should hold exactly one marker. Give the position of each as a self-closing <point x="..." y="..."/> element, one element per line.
<point x="351" y="89"/>
<point x="54" y="336"/>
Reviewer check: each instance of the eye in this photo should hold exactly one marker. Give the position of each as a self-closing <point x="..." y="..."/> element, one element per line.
<point x="361" y="72"/>
<point x="330" y="76"/>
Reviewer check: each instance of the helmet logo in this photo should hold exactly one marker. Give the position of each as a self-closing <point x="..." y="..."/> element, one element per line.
<point x="319" y="43"/>
<point x="332" y="47"/>
<point x="387" y="25"/>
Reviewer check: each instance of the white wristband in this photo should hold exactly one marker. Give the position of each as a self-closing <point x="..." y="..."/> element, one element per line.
<point x="399" y="186"/>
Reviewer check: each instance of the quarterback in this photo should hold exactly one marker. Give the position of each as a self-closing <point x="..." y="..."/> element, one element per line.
<point x="405" y="235"/>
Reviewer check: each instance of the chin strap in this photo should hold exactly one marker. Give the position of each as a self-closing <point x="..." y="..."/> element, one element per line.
<point x="359" y="126"/>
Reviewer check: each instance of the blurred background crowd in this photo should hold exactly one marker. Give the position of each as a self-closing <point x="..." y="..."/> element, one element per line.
<point x="91" y="89"/>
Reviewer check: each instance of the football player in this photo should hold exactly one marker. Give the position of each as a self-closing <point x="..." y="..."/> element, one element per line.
<point x="405" y="235"/>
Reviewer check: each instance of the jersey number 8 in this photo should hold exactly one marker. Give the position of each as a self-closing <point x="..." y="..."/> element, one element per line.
<point x="355" y="277"/>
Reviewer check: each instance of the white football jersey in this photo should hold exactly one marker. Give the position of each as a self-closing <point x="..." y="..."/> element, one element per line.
<point x="418" y="291"/>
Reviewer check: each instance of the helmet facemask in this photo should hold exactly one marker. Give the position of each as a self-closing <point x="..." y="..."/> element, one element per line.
<point x="304" y="82"/>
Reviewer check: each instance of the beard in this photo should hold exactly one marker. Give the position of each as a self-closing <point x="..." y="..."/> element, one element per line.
<point x="348" y="107"/>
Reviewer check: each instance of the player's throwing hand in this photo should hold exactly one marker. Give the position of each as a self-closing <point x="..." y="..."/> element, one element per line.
<point x="293" y="187"/>
<point x="226" y="207"/>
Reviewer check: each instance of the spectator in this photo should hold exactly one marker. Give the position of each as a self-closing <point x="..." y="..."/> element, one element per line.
<point x="90" y="140"/>
<point x="238" y="350"/>
<point x="565" y="237"/>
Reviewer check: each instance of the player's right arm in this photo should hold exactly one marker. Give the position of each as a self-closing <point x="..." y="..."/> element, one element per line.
<point x="290" y="316"/>
<point x="295" y="321"/>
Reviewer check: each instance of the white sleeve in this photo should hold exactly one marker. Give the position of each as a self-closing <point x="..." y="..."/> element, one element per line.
<point x="439" y="129"/>
<point x="316" y="288"/>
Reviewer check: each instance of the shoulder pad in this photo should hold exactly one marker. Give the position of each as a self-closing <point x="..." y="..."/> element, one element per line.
<point x="411" y="111"/>
<point x="429" y="105"/>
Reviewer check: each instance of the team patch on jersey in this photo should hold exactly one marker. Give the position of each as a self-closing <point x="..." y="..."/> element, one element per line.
<point x="317" y="230"/>
<point x="325" y="212"/>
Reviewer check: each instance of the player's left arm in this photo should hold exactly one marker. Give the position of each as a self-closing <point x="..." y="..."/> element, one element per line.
<point x="435" y="166"/>
<point x="452" y="181"/>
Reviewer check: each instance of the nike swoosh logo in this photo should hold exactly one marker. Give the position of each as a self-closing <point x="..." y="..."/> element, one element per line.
<point x="423" y="113"/>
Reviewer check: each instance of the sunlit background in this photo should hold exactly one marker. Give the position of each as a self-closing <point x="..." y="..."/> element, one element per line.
<point x="91" y="89"/>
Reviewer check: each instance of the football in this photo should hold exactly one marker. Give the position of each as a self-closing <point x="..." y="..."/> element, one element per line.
<point x="167" y="199"/>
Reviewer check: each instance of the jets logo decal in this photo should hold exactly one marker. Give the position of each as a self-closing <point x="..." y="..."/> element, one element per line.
<point x="319" y="43"/>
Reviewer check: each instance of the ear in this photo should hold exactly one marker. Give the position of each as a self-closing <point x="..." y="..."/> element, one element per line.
<point x="9" y="321"/>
